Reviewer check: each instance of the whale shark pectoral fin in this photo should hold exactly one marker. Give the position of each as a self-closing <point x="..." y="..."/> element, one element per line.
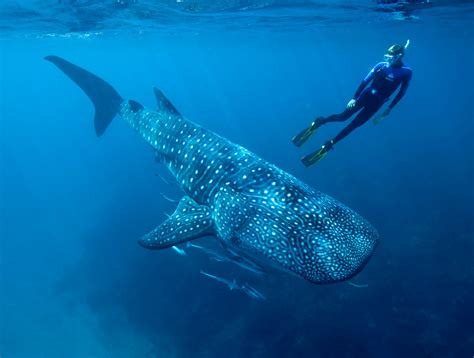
<point x="164" y="104"/>
<point x="190" y="221"/>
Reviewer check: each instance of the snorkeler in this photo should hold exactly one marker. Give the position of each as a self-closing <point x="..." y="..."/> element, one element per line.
<point x="384" y="79"/>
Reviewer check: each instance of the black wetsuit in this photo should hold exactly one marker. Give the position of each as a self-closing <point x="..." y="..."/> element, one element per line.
<point x="385" y="80"/>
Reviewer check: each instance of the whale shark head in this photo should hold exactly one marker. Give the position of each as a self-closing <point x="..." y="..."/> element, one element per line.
<point x="304" y="232"/>
<point x="340" y="243"/>
<point x="327" y="243"/>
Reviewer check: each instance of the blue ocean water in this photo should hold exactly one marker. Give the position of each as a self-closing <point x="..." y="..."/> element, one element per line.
<point x="74" y="282"/>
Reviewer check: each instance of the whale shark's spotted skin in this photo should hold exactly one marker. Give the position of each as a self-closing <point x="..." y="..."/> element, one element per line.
<point x="250" y="204"/>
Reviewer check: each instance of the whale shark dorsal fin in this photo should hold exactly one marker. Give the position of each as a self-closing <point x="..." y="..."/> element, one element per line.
<point x="189" y="221"/>
<point x="164" y="103"/>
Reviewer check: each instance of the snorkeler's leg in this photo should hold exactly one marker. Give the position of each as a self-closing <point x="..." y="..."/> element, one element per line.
<point x="306" y="133"/>
<point x="340" y="117"/>
<point x="362" y="117"/>
<point x="348" y="112"/>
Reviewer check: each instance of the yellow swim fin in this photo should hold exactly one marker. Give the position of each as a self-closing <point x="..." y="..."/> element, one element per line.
<point x="318" y="155"/>
<point x="306" y="133"/>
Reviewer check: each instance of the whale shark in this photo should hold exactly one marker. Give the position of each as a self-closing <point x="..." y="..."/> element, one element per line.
<point x="249" y="205"/>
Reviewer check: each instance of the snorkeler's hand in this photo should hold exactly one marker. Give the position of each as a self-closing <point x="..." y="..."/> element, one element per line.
<point x="381" y="116"/>
<point x="351" y="104"/>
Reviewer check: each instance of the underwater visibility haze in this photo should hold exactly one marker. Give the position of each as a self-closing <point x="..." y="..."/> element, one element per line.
<point x="180" y="125"/>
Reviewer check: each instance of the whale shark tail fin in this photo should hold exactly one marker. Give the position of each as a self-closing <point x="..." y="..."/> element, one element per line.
<point x="105" y="98"/>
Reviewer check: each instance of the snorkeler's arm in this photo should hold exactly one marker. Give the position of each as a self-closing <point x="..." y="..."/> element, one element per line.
<point x="402" y="91"/>
<point x="367" y="79"/>
<point x="360" y="88"/>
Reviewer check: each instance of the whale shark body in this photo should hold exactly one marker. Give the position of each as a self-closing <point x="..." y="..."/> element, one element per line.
<point x="248" y="204"/>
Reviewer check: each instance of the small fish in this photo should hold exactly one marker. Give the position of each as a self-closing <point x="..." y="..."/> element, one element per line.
<point x="179" y="251"/>
<point x="245" y="263"/>
<point x="357" y="285"/>
<point x="162" y="178"/>
<point x="232" y="257"/>
<point x="168" y="198"/>
<point x="232" y="285"/>
<point x="253" y="292"/>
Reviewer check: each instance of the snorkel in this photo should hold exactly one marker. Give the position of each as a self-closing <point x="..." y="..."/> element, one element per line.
<point x="406" y="45"/>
